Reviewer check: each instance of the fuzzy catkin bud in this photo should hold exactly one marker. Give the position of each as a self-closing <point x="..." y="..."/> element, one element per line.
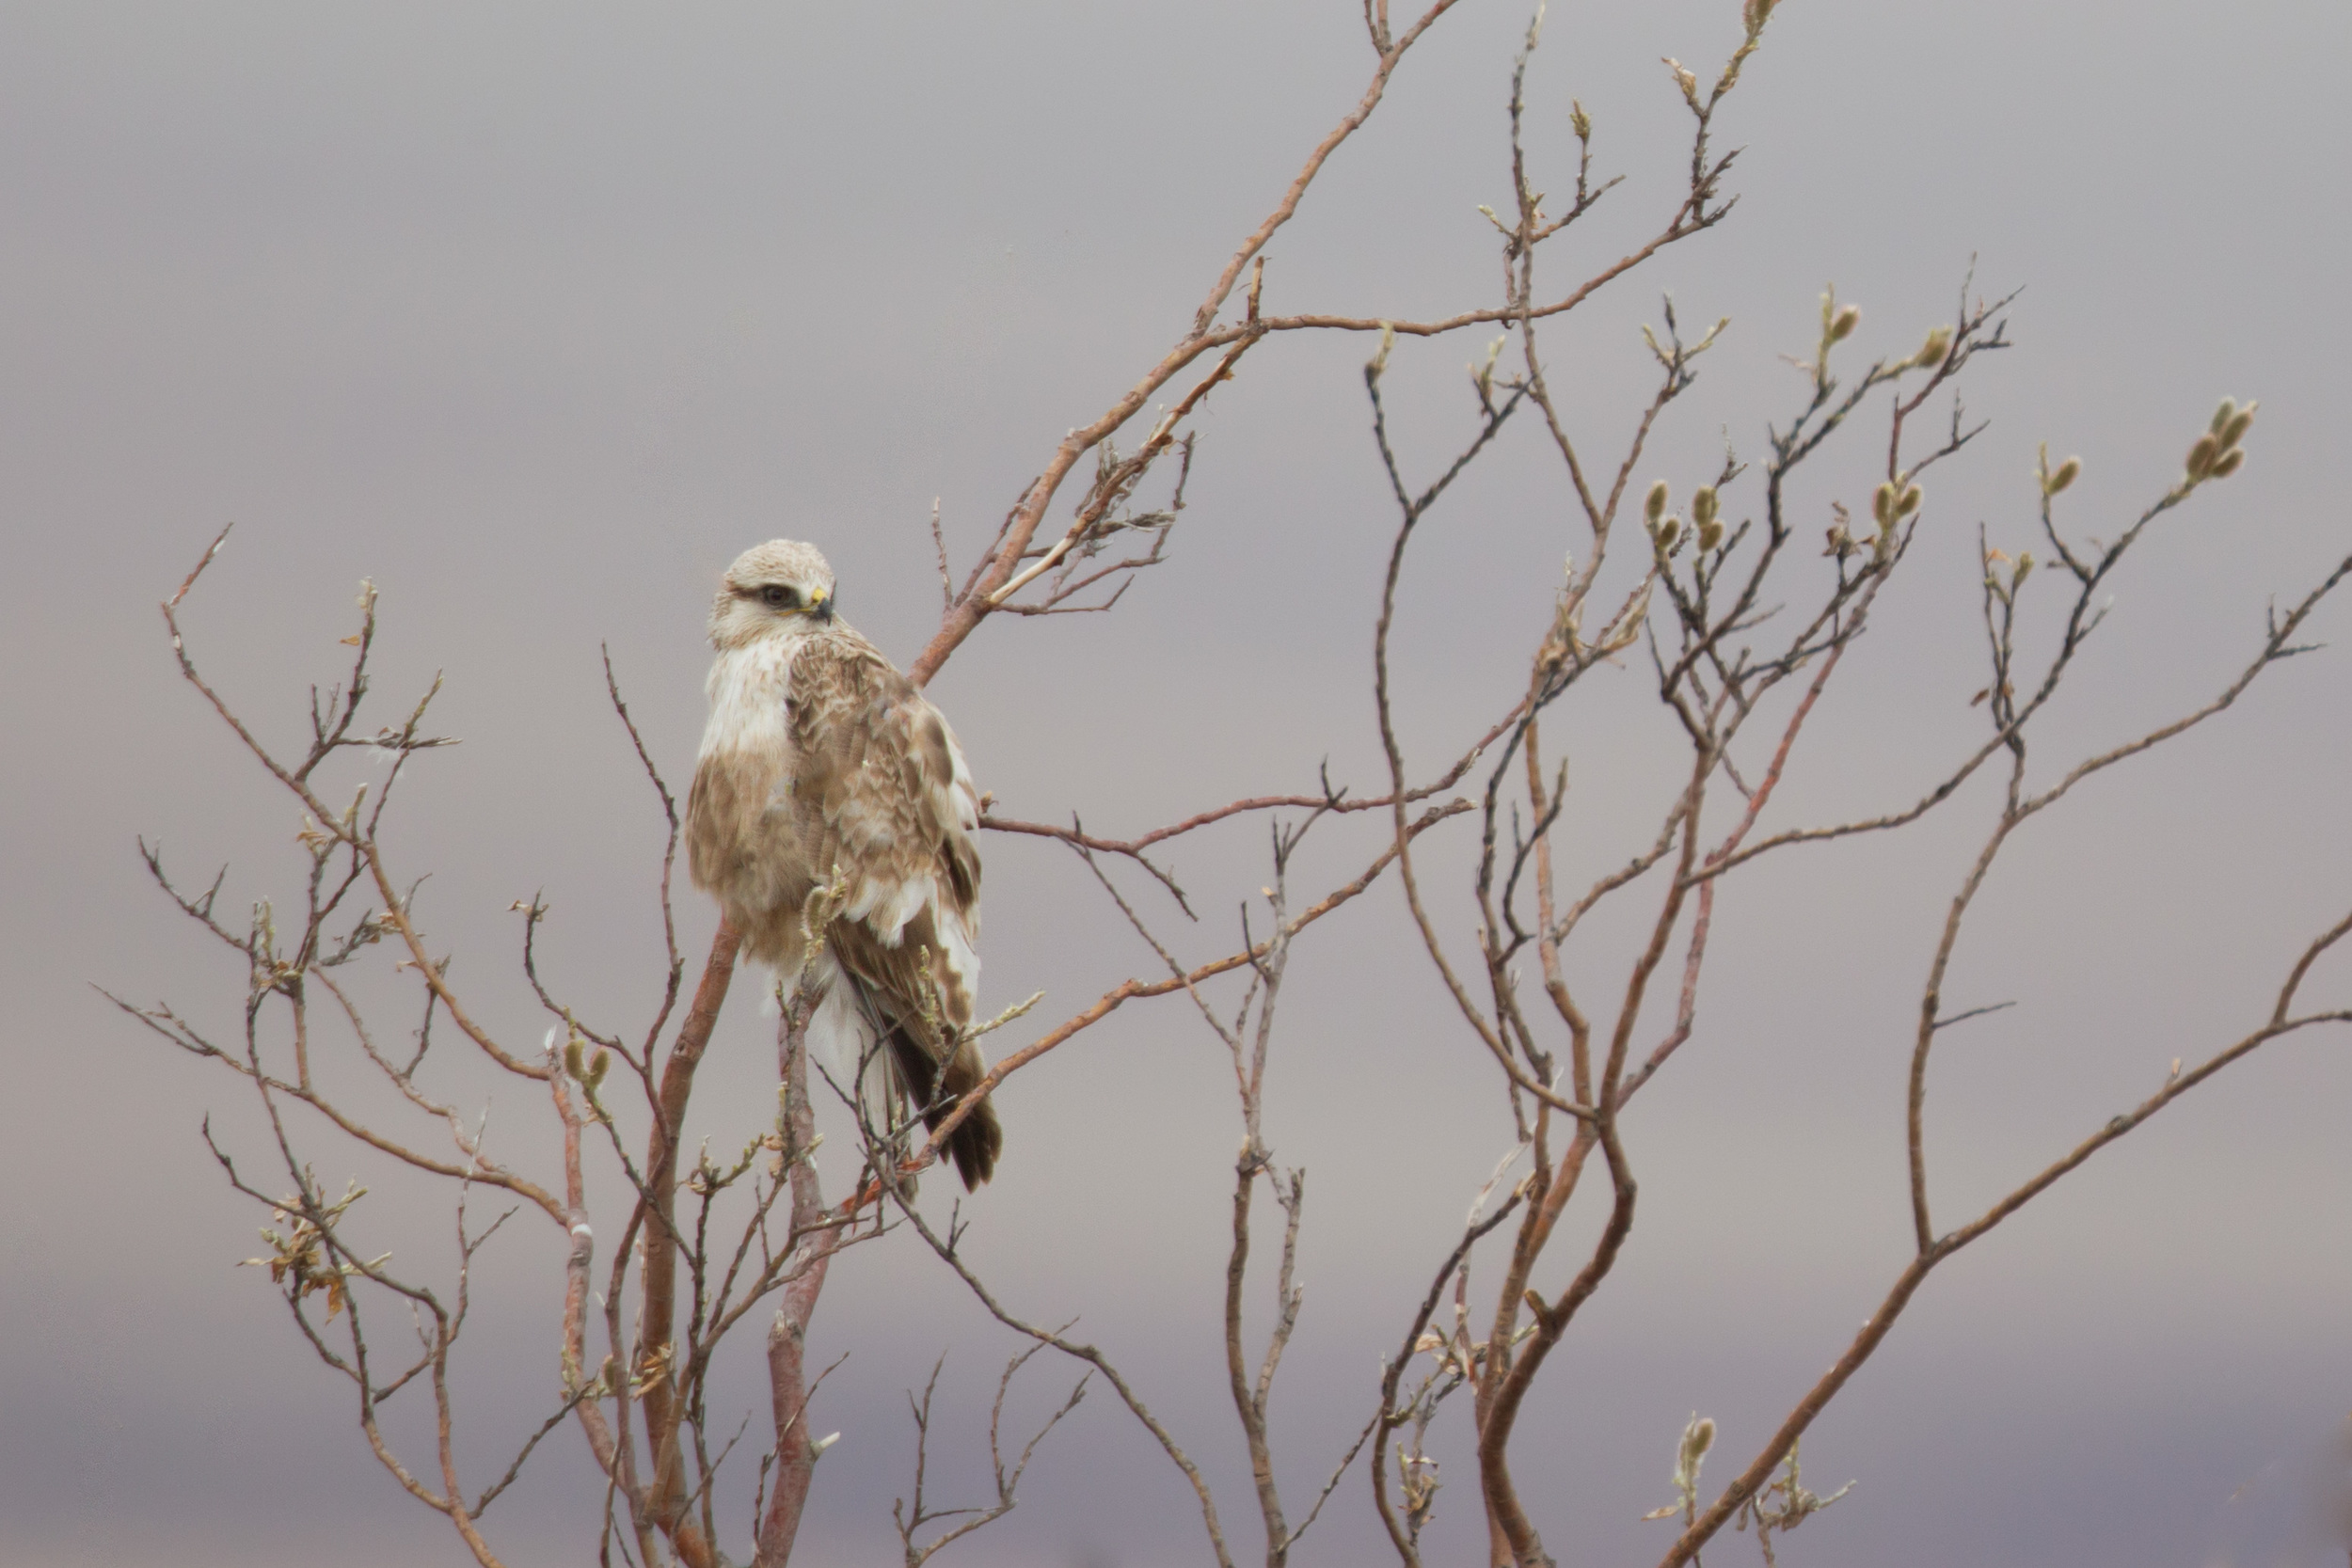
<point x="2223" y="415"/>
<point x="2200" y="456"/>
<point x="571" y="1058"/>
<point x="2066" y="474"/>
<point x="1882" y="504"/>
<point x="1711" y="534"/>
<point x="2227" y="463"/>
<point x="1909" y="504"/>
<point x="1670" y="534"/>
<point x="1932" y="353"/>
<point x="1697" y="1438"/>
<point x="2235" y="431"/>
<point x="1703" y="505"/>
<point x="1841" y="326"/>
<point x="597" y="1066"/>
<point x="1655" y="507"/>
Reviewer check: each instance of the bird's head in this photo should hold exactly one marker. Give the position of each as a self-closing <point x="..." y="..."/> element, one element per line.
<point x="780" y="587"/>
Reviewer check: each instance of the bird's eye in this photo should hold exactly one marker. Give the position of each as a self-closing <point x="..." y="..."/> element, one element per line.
<point x="779" y="598"/>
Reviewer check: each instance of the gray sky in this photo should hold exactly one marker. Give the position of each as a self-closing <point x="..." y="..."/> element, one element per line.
<point x="537" y="316"/>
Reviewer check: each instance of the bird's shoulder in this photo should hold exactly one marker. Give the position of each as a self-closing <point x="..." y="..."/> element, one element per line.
<point x="837" y="677"/>
<point x="856" y="717"/>
<point x="879" y="765"/>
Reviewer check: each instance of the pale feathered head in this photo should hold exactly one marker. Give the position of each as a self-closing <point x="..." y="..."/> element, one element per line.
<point x="781" y="587"/>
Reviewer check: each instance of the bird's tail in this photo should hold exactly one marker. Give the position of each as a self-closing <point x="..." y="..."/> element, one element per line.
<point x="976" y="1143"/>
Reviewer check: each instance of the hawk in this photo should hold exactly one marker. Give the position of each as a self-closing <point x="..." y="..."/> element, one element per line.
<point x="820" y="757"/>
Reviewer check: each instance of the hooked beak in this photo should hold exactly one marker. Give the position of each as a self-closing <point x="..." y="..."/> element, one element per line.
<point x="822" y="607"/>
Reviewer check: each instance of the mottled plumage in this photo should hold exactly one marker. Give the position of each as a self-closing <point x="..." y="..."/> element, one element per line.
<point x="819" y="755"/>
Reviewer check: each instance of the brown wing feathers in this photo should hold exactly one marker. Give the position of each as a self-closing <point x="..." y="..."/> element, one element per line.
<point x="887" y="978"/>
<point x="875" y="780"/>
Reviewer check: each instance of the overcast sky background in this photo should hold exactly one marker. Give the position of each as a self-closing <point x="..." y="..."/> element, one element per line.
<point x="536" y="315"/>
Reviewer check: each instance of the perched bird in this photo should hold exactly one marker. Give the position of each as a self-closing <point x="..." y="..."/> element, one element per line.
<point x="820" y="756"/>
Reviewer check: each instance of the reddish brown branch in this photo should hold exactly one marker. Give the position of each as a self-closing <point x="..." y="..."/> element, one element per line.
<point x="1003" y="564"/>
<point x="1335" y="802"/>
<point x="1390" y="52"/>
<point x="788" y="1388"/>
<point x="1127" y="990"/>
<point x="1686" y="1011"/>
<point x="1875" y="1328"/>
<point x="668" y="1500"/>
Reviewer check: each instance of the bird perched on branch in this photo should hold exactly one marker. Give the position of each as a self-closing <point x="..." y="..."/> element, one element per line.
<point x="820" y="759"/>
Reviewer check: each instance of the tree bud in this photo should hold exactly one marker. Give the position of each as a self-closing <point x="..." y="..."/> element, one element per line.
<point x="2067" y="473"/>
<point x="1909" y="504"/>
<point x="2200" y="456"/>
<point x="2235" y="432"/>
<point x="1841" y="326"/>
<point x="1670" y="534"/>
<point x="1578" y="122"/>
<point x="1703" y="505"/>
<point x="2228" y="463"/>
<point x="2223" y="415"/>
<point x="1710" y="533"/>
<point x="597" y="1066"/>
<point x="571" y="1058"/>
<point x="1697" y="1438"/>
<point x="1932" y="353"/>
<point x="2025" y="567"/>
<point x="1882" y="504"/>
<point x="1655" y="507"/>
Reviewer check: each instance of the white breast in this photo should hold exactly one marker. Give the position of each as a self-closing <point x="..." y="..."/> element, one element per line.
<point x="748" y="690"/>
